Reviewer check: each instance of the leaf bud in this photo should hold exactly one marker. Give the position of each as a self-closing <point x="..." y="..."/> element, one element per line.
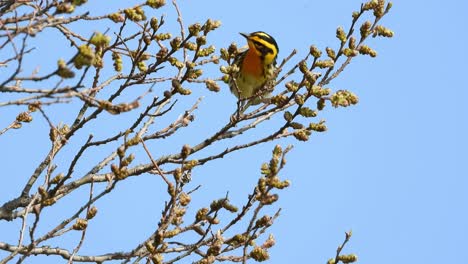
<point x="340" y="34"/>
<point x="65" y="8"/>
<point x="299" y="99"/>
<point x="365" y="27"/>
<point x="154" y="23"/>
<point x="348" y="258"/>
<point x="379" y="8"/>
<point x="194" y="29"/>
<point x="350" y="52"/>
<point x="296" y="125"/>
<point x="366" y="50"/>
<point x="325" y="64"/>
<point x="63" y="71"/>
<point x="186" y="150"/>
<point x="270" y="242"/>
<point x="201" y="214"/>
<point x="292" y="86"/>
<point x="301" y="135"/>
<point x="116" y="17"/>
<point x="155" y="3"/>
<point x="288" y="116"/>
<point x="24" y="117"/>
<point x="264" y="221"/>
<point x="175" y="43"/>
<point x="201" y="40"/>
<point x="91" y="213"/>
<point x="212" y="85"/>
<point x="314" y="51"/>
<point x="307" y="112"/>
<point x="259" y="254"/>
<point x="331" y="53"/>
<point x="80" y="224"/>
<point x="303" y="66"/>
<point x="184" y="199"/>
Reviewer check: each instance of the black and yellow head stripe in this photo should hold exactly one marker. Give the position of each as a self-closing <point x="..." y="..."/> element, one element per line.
<point x="262" y="37"/>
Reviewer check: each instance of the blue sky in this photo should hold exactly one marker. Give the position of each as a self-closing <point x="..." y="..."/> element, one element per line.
<point x="390" y="168"/>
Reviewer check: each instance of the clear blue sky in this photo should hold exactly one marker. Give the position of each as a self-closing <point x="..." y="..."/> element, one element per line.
<point x="391" y="168"/>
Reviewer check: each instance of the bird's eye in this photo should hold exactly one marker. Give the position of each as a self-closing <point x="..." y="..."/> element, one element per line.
<point x="259" y="45"/>
<point x="262" y="48"/>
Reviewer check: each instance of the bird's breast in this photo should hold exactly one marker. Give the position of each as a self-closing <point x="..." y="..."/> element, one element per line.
<point x="252" y="65"/>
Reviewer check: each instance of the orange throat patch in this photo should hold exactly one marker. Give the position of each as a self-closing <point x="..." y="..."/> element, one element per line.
<point x="252" y="64"/>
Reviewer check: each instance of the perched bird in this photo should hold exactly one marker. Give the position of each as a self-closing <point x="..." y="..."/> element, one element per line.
<point x="256" y="65"/>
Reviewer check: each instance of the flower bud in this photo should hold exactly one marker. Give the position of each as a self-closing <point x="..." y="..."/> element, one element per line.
<point x="259" y="254"/>
<point x="314" y="51"/>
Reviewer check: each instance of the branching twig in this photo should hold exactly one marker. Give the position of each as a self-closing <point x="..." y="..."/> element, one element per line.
<point x="144" y="56"/>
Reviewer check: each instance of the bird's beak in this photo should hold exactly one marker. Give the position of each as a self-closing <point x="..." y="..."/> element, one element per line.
<point x="244" y="35"/>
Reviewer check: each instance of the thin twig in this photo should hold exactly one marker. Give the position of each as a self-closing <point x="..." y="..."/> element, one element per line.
<point x="154" y="163"/>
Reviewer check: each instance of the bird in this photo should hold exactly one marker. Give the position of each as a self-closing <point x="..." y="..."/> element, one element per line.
<point x="257" y="67"/>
